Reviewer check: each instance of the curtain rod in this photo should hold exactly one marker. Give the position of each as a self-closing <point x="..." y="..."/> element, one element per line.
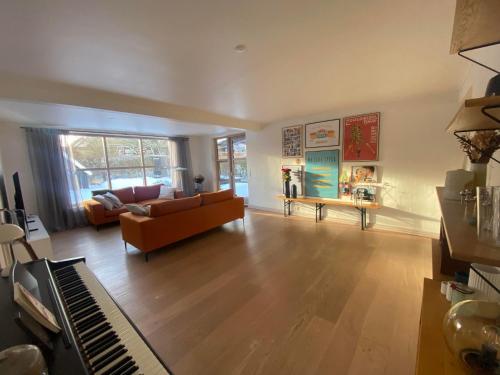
<point x="107" y="133"/>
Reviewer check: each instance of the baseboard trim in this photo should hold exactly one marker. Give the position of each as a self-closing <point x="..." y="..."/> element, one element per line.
<point x="381" y="227"/>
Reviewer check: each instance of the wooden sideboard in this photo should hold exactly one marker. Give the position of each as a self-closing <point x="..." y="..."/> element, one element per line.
<point x="433" y="355"/>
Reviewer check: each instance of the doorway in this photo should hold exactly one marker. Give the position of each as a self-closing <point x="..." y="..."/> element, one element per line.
<point x="231" y="160"/>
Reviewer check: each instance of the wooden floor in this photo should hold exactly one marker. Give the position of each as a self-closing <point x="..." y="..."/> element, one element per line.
<point x="272" y="296"/>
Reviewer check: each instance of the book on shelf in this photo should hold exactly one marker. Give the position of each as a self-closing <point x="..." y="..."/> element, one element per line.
<point x="35" y="308"/>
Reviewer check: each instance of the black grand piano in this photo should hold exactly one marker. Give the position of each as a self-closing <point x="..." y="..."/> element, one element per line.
<point x="96" y="336"/>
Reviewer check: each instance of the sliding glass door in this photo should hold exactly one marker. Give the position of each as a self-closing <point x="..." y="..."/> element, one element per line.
<point x="231" y="155"/>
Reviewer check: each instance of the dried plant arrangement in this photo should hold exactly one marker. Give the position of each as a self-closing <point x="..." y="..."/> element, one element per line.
<point x="481" y="145"/>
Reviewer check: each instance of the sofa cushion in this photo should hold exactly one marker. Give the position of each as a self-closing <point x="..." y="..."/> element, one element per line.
<point x="143" y="193"/>
<point x="137" y="209"/>
<point x="125" y="195"/>
<point x="171" y="206"/>
<point x="151" y="201"/>
<point x="117" y="203"/>
<point x="219" y="196"/>
<point x="166" y="192"/>
<point x="115" y="212"/>
<point x="108" y="205"/>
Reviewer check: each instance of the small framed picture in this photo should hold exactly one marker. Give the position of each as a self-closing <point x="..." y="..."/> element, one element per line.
<point x="323" y="133"/>
<point x="292" y="141"/>
<point x="364" y="174"/>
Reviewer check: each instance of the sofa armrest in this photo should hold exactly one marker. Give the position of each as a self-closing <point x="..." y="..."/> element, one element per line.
<point x="94" y="211"/>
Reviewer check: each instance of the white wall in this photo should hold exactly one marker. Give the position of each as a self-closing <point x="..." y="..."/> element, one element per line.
<point x="203" y="159"/>
<point x="415" y="153"/>
<point x="15" y="158"/>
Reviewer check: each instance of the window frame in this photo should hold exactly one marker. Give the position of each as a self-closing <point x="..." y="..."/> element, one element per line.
<point x="143" y="166"/>
<point x="230" y="158"/>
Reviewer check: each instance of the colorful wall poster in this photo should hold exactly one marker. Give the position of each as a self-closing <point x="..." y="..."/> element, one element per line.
<point x="363" y="173"/>
<point x="323" y="133"/>
<point x="292" y="141"/>
<point x="322" y="173"/>
<point x="297" y="177"/>
<point x="361" y="135"/>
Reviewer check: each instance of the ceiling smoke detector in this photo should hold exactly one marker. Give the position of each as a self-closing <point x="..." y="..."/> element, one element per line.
<point x="240" y="48"/>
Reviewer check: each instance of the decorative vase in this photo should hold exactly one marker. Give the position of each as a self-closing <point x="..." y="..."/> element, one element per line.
<point x="287" y="189"/>
<point x="294" y="191"/>
<point x="479" y="170"/>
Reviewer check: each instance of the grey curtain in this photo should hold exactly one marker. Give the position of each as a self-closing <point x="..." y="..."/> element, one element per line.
<point x="57" y="193"/>
<point x="182" y="164"/>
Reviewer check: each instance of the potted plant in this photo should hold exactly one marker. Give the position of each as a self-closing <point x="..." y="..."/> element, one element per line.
<point x="285" y="174"/>
<point x="480" y="147"/>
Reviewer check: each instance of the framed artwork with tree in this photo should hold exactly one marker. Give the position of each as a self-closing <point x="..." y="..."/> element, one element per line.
<point x="361" y="137"/>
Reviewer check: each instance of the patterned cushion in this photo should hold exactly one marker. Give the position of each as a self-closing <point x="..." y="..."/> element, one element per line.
<point x="108" y="205"/>
<point x="117" y="203"/>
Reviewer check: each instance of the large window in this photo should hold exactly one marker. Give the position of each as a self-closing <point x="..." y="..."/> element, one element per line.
<point x="114" y="162"/>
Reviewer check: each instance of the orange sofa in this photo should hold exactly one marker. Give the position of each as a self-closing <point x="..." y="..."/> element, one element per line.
<point x="97" y="215"/>
<point x="178" y="219"/>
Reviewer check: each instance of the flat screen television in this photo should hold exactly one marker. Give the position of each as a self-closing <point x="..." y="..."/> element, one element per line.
<point x="18" y="195"/>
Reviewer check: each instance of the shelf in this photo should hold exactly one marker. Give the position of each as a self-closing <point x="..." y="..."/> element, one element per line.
<point x="475" y="24"/>
<point x="469" y="117"/>
<point x="332" y="202"/>
<point x="462" y="237"/>
<point x="433" y="356"/>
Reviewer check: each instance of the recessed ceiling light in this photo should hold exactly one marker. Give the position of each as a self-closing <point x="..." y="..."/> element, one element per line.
<point x="240" y="48"/>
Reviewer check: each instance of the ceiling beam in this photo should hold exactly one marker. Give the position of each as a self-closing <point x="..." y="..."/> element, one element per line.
<point x="38" y="90"/>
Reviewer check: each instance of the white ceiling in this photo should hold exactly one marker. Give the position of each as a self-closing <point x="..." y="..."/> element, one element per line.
<point x="302" y="57"/>
<point x="81" y="118"/>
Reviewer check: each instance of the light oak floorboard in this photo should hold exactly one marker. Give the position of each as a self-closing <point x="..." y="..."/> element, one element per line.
<point x="272" y="296"/>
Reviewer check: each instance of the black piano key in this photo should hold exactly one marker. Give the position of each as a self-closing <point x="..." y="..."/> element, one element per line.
<point x="118" y="365"/>
<point x="89" y="322"/>
<point x="112" y="355"/>
<point x="128" y="365"/>
<point x="91" y="319"/>
<point x="94" y="332"/>
<point x="83" y="310"/>
<point x="94" y="344"/>
<point x="102" y="347"/>
<point x="131" y="370"/>
<point x="67" y="287"/>
<point x="74" y="291"/>
<point x="64" y="270"/>
<point x="77" y="297"/>
<point x="81" y="305"/>
<point x="84" y="313"/>
<point x="66" y="279"/>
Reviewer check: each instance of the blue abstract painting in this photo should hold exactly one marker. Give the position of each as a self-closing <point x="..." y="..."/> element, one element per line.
<point x="322" y="174"/>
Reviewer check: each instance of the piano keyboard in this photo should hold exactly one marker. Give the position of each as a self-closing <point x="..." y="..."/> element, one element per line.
<point x="108" y="342"/>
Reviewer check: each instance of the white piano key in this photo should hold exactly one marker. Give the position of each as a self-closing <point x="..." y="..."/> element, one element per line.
<point x="136" y="347"/>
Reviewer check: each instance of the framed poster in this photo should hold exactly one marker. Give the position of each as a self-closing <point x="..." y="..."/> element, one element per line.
<point x="291" y="141"/>
<point x="361" y="135"/>
<point x="297" y="177"/>
<point x="362" y="174"/>
<point x="322" y="173"/>
<point x="323" y="133"/>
